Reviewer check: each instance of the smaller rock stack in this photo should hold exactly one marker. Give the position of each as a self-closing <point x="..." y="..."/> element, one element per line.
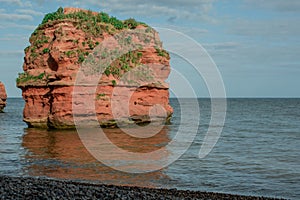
<point x="3" y="97"/>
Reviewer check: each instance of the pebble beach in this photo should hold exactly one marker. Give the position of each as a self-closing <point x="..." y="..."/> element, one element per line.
<point x="41" y="188"/>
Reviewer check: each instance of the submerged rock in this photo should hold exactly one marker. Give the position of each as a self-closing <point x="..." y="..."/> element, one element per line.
<point x="126" y="57"/>
<point x="3" y="97"/>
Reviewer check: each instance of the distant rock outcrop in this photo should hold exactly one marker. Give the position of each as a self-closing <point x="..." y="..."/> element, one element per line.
<point x="3" y="97"/>
<point x="65" y="41"/>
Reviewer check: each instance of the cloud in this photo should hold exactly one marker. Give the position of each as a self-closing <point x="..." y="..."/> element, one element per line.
<point x="222" y="46"/>
<point x="16" y="26"/>
<point x="14" y="17"/>
<point x="171" y="10"/>
<point x="183" y="29"/>
<point x="17" y="2"/>
<point x="29" y="12"/>
<point x="12" y="53"/>
<point x="13" y="37"/>
<point x="277" y="5"/>
<point x="223" y="50"/>
<point x="273" y="28"/>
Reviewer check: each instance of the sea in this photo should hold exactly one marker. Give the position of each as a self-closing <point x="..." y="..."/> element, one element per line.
<point x="257" y="153"/>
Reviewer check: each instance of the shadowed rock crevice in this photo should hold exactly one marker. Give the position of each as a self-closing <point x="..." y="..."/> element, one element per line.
<point x="50" y="96"/>
<point x="53" y="65"/>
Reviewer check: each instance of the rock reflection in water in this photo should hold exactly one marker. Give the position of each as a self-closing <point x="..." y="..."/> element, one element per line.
<point x="61" y="154"/>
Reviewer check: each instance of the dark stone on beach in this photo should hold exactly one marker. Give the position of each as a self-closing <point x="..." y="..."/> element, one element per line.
<point x="38" y="188"/>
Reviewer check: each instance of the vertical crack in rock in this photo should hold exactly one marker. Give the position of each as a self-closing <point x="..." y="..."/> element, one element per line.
<point x="50" y="101"/>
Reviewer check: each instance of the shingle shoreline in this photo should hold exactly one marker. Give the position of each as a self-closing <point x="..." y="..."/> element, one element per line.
<point x="41" y="188"/>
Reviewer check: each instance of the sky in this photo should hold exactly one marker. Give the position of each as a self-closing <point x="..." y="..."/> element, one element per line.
<point x="255" y="44"/>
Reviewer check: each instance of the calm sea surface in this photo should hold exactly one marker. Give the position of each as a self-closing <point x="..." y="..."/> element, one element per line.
<point x="258" y="152"/>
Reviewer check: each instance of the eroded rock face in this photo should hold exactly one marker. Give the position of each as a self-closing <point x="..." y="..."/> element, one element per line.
<point x="3" y="97"/>
<point x="68" y="41"/>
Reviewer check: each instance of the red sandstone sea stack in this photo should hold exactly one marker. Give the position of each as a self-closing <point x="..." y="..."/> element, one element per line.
<point x="3" y="97"/>
<point x="71" y="39"/>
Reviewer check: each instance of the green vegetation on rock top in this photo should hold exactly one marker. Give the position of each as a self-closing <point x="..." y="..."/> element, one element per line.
<point x="84" y="16"/>
<point x="92" y="23"/>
